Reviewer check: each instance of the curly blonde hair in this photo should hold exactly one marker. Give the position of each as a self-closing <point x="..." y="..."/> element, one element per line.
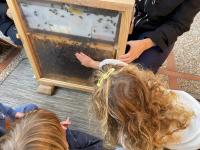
<point x="38" y="130"/>
<point x="136" y="110"/>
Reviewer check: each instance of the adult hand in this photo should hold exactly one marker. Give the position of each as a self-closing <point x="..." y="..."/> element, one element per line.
<point x="87" y="61"/>
<point x="19" y="115"/>
<point x="136" y="49"/>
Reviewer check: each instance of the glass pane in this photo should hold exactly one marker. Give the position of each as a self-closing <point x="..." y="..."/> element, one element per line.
<point x="73" y="20"/>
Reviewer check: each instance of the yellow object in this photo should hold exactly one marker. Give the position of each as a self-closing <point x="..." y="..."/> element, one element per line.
<point x="105" y="76"/>
<point x="75" y="10"/>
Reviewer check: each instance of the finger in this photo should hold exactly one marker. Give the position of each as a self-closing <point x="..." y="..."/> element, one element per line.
<point x="86" y="57"/>
<point x="63" y="127"/>
<point x="125" y="56"/>
<point x="77" y="53"/>
<point x="66" y="122"/>
<point x="128" y="60"/>
<point x="78" y="56"/>
<point x="129" y="43"/>
<point x="67" y="118"/>
<point x="125" y="60"/>
<point x="82" y="54"/>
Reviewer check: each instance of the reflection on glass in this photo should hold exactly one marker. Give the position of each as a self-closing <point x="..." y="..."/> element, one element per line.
<point x="72" y="20"/>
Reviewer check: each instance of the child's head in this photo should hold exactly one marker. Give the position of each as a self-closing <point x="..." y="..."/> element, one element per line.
<point x="38" y="130"/>
<point x="135" y="110"/>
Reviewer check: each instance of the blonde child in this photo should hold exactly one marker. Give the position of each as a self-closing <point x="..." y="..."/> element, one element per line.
<point x="137" y="112"/>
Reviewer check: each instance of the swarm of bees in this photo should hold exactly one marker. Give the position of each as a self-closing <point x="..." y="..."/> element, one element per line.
<point x="80" y="13"/>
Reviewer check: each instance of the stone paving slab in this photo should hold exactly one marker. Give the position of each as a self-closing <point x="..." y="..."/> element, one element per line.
<point x="187" y="58"/>
<point x="187" y="50"/>
<point x="192" y="87"/>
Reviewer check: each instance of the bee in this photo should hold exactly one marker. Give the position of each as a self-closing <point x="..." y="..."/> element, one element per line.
<point x="100" y="19"/>
<point x="35" y="13"/>
<point x="106" y="27"/>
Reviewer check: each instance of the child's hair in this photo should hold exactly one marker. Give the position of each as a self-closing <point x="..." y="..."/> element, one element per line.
<point x="136" y="110"/>
<point x="38" y="130"/>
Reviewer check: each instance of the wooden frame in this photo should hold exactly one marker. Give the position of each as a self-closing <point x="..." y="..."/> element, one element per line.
<point x="125" y="7"/>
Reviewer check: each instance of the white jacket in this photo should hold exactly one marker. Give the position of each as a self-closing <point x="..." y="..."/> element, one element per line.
<point x="191" y="136"/>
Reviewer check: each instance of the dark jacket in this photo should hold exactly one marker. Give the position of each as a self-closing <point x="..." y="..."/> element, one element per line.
<point x="164" y="20"/>
<point x="5" y="111"/>
<point x="5" y="22"/>
<point x="78" y="140"/>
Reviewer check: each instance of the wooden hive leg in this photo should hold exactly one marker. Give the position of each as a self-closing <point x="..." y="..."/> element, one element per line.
<point x="46" y="89"/>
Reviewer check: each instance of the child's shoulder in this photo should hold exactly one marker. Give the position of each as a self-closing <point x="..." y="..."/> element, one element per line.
<point x="188" y="100"/>
<point x="184" y="95"/>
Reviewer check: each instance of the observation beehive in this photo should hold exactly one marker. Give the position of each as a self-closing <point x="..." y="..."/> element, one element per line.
<point x="52" y="32"/>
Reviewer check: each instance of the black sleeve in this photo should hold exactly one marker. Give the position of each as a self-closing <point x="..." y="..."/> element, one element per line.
<point x="177" y="23"/>
<point x="3" y="9"/>
<point x="2" y="1"/>
<point x="78" y="140"/>
<point x="7" y="111"/>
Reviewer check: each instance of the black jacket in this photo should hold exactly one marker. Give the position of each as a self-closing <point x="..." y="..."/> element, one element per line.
<point x="5" y="22"/>
<point x="164" y="20"/>
<point x="82" y="141"/>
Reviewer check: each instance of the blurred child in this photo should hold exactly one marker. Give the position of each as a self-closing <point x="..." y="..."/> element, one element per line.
<point x="42" y="130"/>
<point x="9" y="114"/>
<point x="38" y="130"/>
<point x="138" y="112"/>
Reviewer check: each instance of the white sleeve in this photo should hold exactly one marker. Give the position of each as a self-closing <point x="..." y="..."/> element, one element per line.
<point x="191" y="136"/>
<point x="111" y="62"/>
